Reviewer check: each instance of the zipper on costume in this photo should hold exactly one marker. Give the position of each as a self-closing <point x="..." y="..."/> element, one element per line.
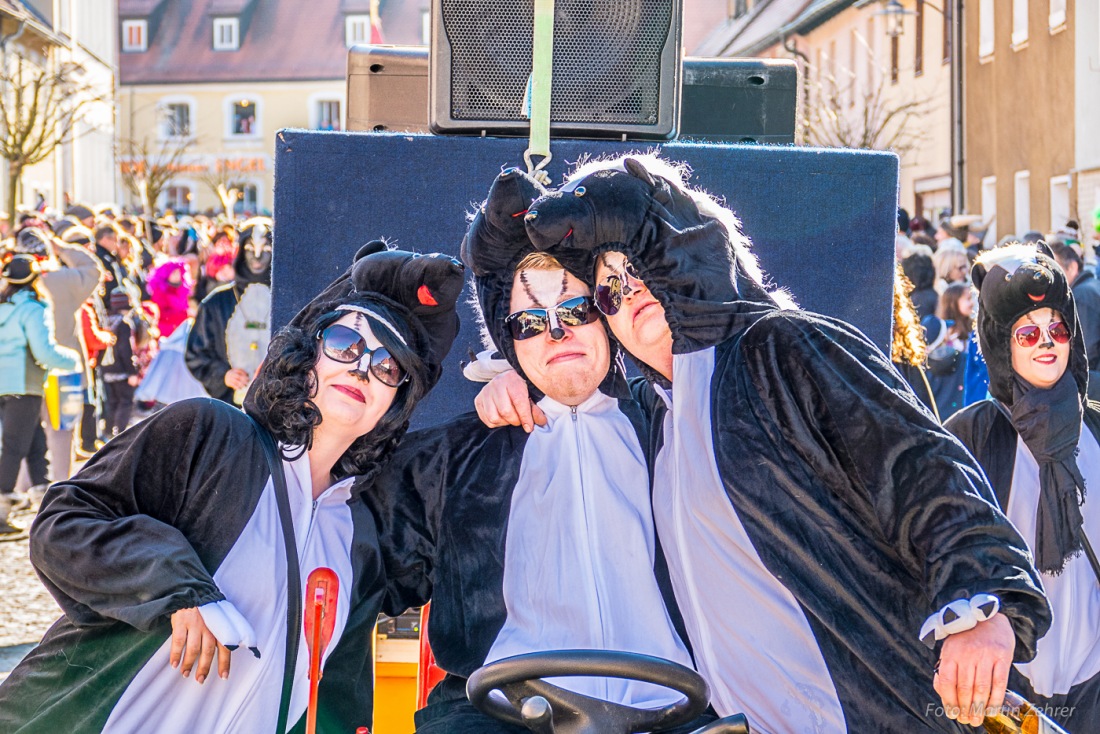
<point x="573" y="412"/>
<point x="596" y="579"/>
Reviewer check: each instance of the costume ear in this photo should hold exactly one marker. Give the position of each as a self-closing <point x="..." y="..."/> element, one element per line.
<point x="637" y="170"/>
<point x="977" y="275"/>
<point x="1044" y="249"/>
<point x="496" y="235"/>
<point x="369" y="249"/>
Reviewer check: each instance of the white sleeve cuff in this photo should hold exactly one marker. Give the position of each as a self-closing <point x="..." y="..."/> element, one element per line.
<point x="229" y="626"/>
<point x="488" y="365"/>
<point x="958" y="616"/>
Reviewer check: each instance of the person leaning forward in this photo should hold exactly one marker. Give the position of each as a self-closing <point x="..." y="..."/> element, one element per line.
<point x="819" y="524"/>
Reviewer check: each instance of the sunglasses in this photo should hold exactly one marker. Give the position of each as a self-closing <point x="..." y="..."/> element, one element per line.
<point x="347" y="346"/>
<point x="531" y="322"/>
<point x="611" y="291"/>
<point x="1029" y="334"/>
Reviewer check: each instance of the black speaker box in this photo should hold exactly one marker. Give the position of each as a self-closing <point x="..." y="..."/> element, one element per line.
<point x="616" y="67"/>
<point x="723" y="100"/>
<point x="739" y="100"/>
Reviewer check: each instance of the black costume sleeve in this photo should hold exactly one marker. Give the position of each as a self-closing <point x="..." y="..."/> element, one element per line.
<point x="406" y="498"/>
<point x="206" y="356"/>
<point x="826" y="391"/>
<point x="120" y="540"/>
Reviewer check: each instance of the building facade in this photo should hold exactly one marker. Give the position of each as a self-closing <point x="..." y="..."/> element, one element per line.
<point x="865" y="80"/>
<point x="1020" y="112"/>
<point x="215" y="80"/>
<point x="80" y="32"/>
<point x="1085" y="178"/>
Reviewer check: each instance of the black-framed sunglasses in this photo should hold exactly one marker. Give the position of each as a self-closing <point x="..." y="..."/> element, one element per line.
<point x="346" y="345"/>
<point x="531" y="322"/>
<point x="611" y="291"/>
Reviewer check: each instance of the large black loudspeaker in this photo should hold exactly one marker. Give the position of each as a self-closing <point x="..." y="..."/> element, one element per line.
<point x="616" y="67"/>
<point x="723" y="100"/>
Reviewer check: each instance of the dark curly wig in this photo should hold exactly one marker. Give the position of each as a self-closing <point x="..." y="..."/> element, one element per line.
<point x="281" y="398"/>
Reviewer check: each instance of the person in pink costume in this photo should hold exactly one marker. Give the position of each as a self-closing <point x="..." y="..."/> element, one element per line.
<point x="170" y="284"/>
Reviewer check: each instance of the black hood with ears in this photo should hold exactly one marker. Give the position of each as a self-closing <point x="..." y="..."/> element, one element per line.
<point x="1014" y="280"/>
<point x="684" y="256"/>
<point x="495" y="242"/>
<point x="257" y="228"/>
<point x="420" y="291"/>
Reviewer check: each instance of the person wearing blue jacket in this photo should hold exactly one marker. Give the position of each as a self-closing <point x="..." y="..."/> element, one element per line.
<point x="27" y="350"/>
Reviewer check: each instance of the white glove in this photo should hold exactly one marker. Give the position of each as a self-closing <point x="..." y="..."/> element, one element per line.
<point x="229" y="626"/>
<point x="487" y="366"/>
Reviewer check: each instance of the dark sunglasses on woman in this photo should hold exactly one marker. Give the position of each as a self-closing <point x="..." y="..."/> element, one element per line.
<point x="611" y="291"/>
<point x="346" y="345"/>
<point x="1028" y="335"/>
<point x="531" y="322"/>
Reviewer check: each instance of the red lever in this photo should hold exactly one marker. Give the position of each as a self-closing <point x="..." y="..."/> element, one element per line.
<point x="322" y="589"/>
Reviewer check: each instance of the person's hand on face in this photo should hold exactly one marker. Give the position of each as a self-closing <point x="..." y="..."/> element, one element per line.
<point x="636" y="318"/>
<point x="1040" y="345"/>
<point x="567" y="362"/>
<point x="352" y="372"/>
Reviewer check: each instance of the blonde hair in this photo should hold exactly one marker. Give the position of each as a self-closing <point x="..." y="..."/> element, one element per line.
<point x="947" y="260"/>
<point x="908" y="345"/>
<point x="539" y="261"/>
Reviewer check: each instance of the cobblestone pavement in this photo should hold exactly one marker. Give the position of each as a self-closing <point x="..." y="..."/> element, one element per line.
<point x="26" y="609"/>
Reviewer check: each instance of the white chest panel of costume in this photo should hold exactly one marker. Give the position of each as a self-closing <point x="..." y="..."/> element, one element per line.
<point x="248" y="331"/>
<point x="578" y="569"/>
<point x="1070" y="652"/>
<point x="253" y="577"/>
<point x="750" y="637"/>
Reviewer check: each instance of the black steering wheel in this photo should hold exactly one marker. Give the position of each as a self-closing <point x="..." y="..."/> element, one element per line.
<point x="548" y="709"/>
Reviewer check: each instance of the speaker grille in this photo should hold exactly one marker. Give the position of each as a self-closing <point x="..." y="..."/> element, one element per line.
<point x="607" y="59"/>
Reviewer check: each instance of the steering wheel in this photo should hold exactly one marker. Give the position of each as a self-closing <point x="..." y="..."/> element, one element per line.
<point x="548" y="709"/>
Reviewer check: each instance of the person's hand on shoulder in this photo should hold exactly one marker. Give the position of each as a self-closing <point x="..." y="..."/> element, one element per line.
<point x="506" y="401"/>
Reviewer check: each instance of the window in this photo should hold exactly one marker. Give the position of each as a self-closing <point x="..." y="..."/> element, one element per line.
<point x="948" y="11"/>
<point x="1023" y="202"/>
<point x="242" y="120"/>
<point x="327" y="114"/>
<point x="178" y="119"/>
<point x="918" y="54"/>
<point x="134" y="36"/>
<point x="985" y="28"/>
<point x="1019" y="22"/>
<point x="895" y="46"/>
<point x="425" y="27"/>
<point x="853" y="77"/>
<point x="740" y="7"/>
<point x="1059" y="202"/>
<point x="989" y="207"/>
<point x="226" y="34"/>
<point x="249" y="201"/>
<point x="1057" y="14"/>
<point x="870" y="43"/>
<point x="178" y="199"/>
<point x="356" y="29"/>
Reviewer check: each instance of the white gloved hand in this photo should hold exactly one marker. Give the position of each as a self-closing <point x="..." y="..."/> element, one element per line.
<point x="229" y="626"/>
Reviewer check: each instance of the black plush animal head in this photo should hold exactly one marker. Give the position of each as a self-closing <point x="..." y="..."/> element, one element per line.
<point x="419" y="290"/>
<point x="1012" y="281"/>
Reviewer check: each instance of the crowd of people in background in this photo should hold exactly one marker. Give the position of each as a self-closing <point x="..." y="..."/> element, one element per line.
<point x="936" y="347"/>
<point x="104" y="302"/>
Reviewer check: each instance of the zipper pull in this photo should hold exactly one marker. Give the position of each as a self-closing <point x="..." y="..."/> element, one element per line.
<point x="573" y="412"/>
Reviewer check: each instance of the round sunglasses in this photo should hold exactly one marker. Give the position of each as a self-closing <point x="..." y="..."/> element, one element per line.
<point x="612" y="289"/>
<point x="1028" y="335"/>
<point x="531" y="322"/>
<point x="347" y="346"/>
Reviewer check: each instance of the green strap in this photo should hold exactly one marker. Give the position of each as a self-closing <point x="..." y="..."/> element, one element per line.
<point x="542" y="69"/>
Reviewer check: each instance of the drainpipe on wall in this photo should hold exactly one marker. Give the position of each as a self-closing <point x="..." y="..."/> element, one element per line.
<point x="958" y="147"/>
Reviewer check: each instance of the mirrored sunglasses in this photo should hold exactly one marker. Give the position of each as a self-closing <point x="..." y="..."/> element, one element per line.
<point x="531" y="322"/>
<point x="612" y="289"/>
<point x="1029" y="334"/>
<point x="346" y="345"/>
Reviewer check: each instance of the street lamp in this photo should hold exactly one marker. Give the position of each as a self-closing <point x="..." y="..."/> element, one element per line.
<point x="895" y="14"/>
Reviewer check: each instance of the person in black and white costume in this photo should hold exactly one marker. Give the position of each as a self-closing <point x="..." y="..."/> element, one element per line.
<point x="818" y="522"/>
<point x="530" y="542"/>
<point x="167" y="550"/>
<point x="233" y="320"/>
<point x="1036" y="438"/>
